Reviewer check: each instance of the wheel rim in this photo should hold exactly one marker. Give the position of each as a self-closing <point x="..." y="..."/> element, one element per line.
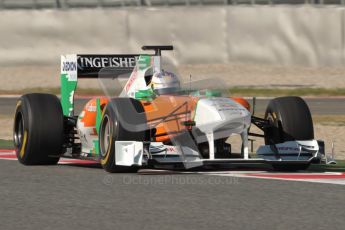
<point x="19" y="130"/>
<point x="105" y="136"/>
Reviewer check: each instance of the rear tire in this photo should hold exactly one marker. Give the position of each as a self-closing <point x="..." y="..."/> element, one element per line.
<point x="38" y="129"/>
<point x="291" y="120"/>
<point x="118" y="115"/>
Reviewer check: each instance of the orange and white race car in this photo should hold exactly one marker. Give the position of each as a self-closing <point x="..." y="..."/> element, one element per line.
<point x="154" y="121"/>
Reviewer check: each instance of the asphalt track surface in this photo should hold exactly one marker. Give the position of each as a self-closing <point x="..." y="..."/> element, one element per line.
<point x="85" y="197"/>
<point x="318" y="106"/>
<point x="75" y="197"/>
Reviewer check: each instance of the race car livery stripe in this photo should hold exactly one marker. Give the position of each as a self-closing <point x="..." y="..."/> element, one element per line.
<point x="67" y="94"/>
<point x="18" y="104"/>
<point x="22" y="150"/>
<point x="98" y="114"/>
<point x="144" y="62"/>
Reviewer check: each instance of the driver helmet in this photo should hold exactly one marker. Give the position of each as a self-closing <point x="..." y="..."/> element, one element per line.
<point x="165" y="82"/>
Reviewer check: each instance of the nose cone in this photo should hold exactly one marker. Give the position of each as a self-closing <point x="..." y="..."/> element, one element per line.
<point x="221" y="114"/>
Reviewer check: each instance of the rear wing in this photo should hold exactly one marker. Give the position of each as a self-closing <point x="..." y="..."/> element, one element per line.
<point x="88" y="66"/>
<point x="76" y="66"/>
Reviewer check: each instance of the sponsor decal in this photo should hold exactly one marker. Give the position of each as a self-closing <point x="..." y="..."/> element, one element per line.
<point x="91" y="108"/>
<point x="225" y="104"/>
<point x="131" y="81"/>
<point x="171" y="148"/>
<point x="121" y="61"/>
<point x="285" y="148"/>
<point x="89" y="66"/>
<point x="69" y="66"/>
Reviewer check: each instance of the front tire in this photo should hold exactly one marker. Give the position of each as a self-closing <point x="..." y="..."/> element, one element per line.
<point x="38" y="129"/>
<point x="123" y="120"/>
<point x="291" y="120"/>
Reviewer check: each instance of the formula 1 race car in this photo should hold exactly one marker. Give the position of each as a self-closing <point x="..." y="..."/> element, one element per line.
<point x="154" y="122"/>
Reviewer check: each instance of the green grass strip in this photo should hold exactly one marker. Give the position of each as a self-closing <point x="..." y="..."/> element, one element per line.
<point x="6" y="144"/>
<point x="274" y="92"/>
